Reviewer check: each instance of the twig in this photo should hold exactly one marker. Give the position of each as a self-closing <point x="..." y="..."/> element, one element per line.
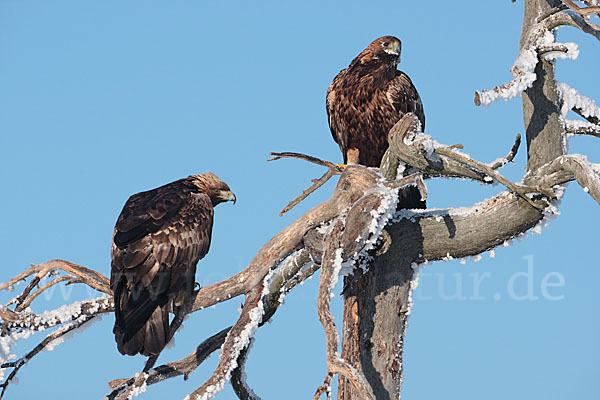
<point x="305" y="157"/>
<point x="509" y="157"/>
<point x="583" y="11"/>
<point x="90" y="277"/>
<point x="324" y="388"/>
<point x="28" y="299"/>
<point x="520" y="190"/>
<point x="317" y="183"/>
<point x="332" y="170"/>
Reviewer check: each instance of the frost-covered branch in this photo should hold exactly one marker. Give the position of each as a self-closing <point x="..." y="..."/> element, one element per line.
<point x="238" y="377"/>
<point x="236" y="341"/>
<point x="420" y="151"/>
<point x="582" y="128"/>
<point x="49" y="342"/>
<point x="332" y="264"/>
<point x="540" y="43"/>
<point x="573" y="167"/>
<point x="582" y="105"/>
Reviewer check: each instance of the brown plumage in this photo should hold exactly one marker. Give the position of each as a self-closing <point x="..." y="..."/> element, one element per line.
<point x="365" y="100"/>
<point x="159" y="238"/>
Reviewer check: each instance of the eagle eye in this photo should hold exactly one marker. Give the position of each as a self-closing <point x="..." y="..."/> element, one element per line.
<point x="384" y="44"/>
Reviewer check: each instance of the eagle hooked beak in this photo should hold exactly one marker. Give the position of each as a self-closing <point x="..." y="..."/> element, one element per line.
<point x="227" y="195"/>
<point x="394" y="49"/>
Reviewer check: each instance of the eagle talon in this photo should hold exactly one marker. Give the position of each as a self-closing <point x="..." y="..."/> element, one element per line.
<point x="197" y="286"/>
<point x="341" y="166"/>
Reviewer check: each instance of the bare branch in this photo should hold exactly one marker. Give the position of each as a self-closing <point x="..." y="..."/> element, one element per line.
<point x="332" y="170"/>
<point x="317" y="183"/>
<point x="88" y="276"/>
<point x="583" y="11"/>
<point x="570" y="18"/>
<point x="324" y="388"/>
<point x="305" y="157"/>
<point x="509" y="157"/>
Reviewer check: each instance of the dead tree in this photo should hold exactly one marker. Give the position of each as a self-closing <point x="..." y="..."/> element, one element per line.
<point x="359" y="229"/>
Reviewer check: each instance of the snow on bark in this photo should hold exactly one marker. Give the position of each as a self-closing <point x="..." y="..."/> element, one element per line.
<point x="32" y="323"/>
<point x="380" y="218"/>
<point x="523" y="69"/>
<point x="239" y="343"/>
<point x="572" y="52"/>
<point x="571" y="98"/>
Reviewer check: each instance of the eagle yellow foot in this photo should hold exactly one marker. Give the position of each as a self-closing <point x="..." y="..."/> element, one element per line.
<point x="341" y="166"/>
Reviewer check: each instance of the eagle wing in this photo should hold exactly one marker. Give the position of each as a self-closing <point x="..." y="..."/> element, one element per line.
<point x="329" y="104"/>
<point x="158" y="240"/>
<point x="404" y="97"/>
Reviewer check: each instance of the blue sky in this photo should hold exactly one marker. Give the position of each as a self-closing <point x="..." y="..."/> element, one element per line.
<point x="100" y="100"/>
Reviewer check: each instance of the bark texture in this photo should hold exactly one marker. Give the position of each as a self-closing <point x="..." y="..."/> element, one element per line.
<point x="541" y="110"/>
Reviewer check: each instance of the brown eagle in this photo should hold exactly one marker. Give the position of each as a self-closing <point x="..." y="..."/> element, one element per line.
<point x="159" y="238"/>
<point x="365" y="101"/>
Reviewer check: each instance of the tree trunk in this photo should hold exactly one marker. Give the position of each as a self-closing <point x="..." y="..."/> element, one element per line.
<point x="377" y="302"/>
<point x="541" y="110"/>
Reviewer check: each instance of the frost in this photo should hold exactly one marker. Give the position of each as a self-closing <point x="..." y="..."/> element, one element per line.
<point x="337" y="266"/>
<point x="137" y="390"/>
<point x="476" y="258"/>
<point x="49" y="319"/>
<point x="571" y="53"/>
<point x="414" y="284"/>
<point x="325" y="227"/>
<point x="524" y="67"/>
<point x="572" y="98"/>
<point x="240" y="342"/>
<point x="492" y="253"/>
<point x="380" y="218"/>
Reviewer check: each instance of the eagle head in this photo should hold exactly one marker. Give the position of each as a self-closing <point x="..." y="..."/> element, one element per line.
<point x="215" y="188"/>
<point x="386" y="49"/>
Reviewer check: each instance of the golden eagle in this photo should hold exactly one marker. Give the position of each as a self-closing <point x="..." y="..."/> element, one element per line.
<point x="159" y="238"/>
<point x="365" y="101"/>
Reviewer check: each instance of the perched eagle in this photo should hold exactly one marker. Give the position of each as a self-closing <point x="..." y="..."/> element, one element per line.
<point x="159" y="238"/>
<point x="365" y="101"/>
